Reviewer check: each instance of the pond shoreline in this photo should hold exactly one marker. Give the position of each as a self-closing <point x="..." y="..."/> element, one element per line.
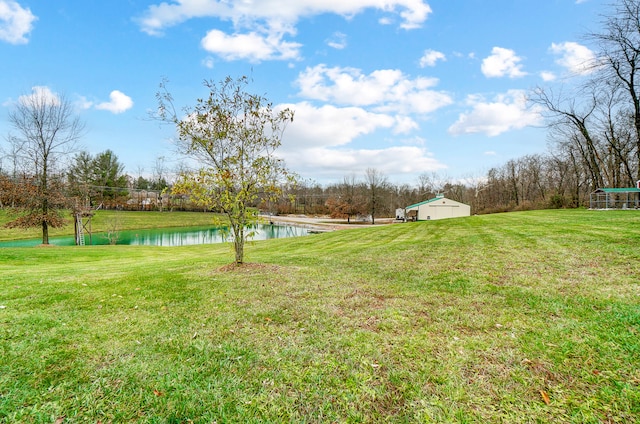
<point x="168" y="237"/>
<point x="324" y="223"/>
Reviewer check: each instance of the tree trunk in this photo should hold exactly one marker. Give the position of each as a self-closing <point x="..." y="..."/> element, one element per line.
<point x="238" y="243"/>
<point x="45" y="232"/>
<point x="45" y="213"/>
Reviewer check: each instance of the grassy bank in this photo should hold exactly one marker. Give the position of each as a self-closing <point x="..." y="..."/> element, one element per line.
<point x="103" y="220"/>
<point x="518" y="318"/>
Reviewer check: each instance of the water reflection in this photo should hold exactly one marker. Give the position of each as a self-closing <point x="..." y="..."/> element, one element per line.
<point x="175" y="238"/>
<point x="172" y="236"/>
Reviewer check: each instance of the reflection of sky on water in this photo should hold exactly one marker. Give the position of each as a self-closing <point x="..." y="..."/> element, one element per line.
<point x="171" y="236"/>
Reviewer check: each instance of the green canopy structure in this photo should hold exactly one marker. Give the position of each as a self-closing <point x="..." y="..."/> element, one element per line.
<point x="615" y="198"/>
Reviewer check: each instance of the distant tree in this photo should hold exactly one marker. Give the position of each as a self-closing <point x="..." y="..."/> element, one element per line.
<point x="10" y="175"/>
<point x="430" y="184"/>
<point x="348" y="201"/>
<point x="14" y="154"/>
<point x="47" y="132"/>
<point x="141" y="183"/>
<point x="376" y="183"/>
<point x="232" y="134"/>
<point x="80" y="176"/>
<point x="158" y="184"/>
<point x="99" y="176"/>
<point x="108" y="174"/>
<point x="159" y="179"/>
<point x="402" y="195"/>
<point x="309" y="198"/>
<point x="13" y="190"/>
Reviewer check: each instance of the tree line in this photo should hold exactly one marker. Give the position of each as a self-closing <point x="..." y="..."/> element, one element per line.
<point x="87" y="179"/>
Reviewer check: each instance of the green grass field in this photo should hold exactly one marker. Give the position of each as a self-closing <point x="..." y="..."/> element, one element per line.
<point x="508" y="318"/>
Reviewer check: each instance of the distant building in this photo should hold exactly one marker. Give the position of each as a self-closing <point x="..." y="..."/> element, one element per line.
<point x="437" y="208"/>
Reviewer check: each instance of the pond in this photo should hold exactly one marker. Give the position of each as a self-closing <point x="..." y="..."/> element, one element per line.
<point x="170" y="236"/>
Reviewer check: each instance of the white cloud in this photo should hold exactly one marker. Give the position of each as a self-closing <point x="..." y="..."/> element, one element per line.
<point x="246" y="13"/>
<point x="119" y="103"/>
<point x="261" y="25"/>
<point x="547" y="76"/>
<point x="16" y="22"/>
<point x="38" y="95"/>
<point x="253" y="46"/>
<point x="83" y="103"/>
<point x="576" y="58"/>
<point x="337" y="41"/>
<point x="430" y="58"/>
<point x="333" y="164"/>
<point x="332" y="126"/>
<point x="386" y="90"/>
<point x="208" y="62"/>
<point x="319" y="142"/>
<point x="413" y="141"/>
<point x="507" y="112"/>
<point x="502" y="62"/>
<point x="404" y="125"/>
<point x="414" y="13"/>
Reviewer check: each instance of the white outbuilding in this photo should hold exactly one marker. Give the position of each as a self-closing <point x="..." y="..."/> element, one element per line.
<point x="437" y="208"/>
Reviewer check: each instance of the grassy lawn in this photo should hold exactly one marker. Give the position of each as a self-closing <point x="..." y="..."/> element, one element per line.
<point x="103" y="219"/>
<point x="511" y="318"/>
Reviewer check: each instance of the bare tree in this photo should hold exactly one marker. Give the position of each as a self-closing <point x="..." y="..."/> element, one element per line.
<point x="15" y="154"/>
<point x="348" y="199"/>
<point x="574" y="124"/>
<point x="159" y="178"/>
<point x="619" y="57"/>
<point x="427" y="183"/>
<point x="376" y="182"/>
<point x="47" y="131"/>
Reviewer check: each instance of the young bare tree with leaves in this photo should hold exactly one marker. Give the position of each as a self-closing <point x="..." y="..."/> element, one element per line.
<point x="47" y="131"/>
<point x="232" y="135"/>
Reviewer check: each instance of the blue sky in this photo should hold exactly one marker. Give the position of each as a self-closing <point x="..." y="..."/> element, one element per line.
<point x="403" y="86"/>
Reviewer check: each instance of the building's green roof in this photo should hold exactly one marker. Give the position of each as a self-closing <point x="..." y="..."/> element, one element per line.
<point x="423" y="203"/>
<point x="428" y="201"/>
<point x="618" y="190"/>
